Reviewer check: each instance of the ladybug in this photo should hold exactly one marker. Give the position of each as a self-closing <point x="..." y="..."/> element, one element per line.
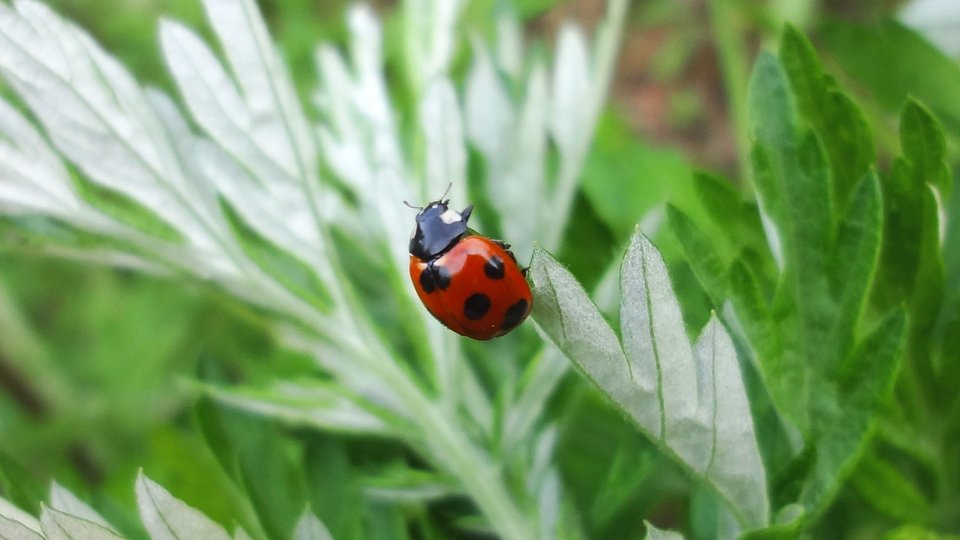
<point x="470" y="283"/>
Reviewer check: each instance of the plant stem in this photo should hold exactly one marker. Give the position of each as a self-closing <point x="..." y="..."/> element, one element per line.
<point x="450" y="448"/>
<point x="726" y="22"/>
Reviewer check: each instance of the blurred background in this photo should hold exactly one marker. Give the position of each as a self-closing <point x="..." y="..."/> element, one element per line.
<point x="91" y="359"/>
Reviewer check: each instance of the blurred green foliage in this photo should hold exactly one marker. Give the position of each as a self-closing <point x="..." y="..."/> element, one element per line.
<point x="93" y="358"/>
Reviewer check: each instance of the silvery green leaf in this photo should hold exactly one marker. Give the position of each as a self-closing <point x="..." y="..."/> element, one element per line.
<point x="11" y="512"/>
<point x="324" y="406"/>
<point x="541" y="379"/>
<point x="443" y="130"/>
<point x="276" y="120"/>
<point x="96" y="115"/>
<point x="522" y="216"/>
<point x="564" y="312"/>
<point x="309" y="527"/>
<point x="430" y="40"/>
<point x="32" y="176"/>
<point x="509" y="46"/>
<point x="64" y="501"/>
<point x="11" y="529"/>
<point x="275" y="186"/>
<point x="61" y="526"/>
<point x="658" y="352"/>
<point x="734" y="467"/>
<point x="489" y="112"/>
<point x="241" y="534"/>
<point x="690" y="400"/>
<point x="167" y="518"/>
<point x="571" y="89"/>
<point x="654" y="533"/>
<point x="403" y="485"/>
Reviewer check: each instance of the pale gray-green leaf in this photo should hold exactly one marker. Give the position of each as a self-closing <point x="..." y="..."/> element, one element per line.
<point x="309" y="527"/>
<point x="95" y="113"/>
<point x="442" y="126"/>
<point x="64" y="501"/>
<point x="12" y="513"/>
<point x="11" y="529"/>
<point x="735" y="467"/>
<point x="571" y="89"/>
<point x="61" y="526"/>
<point x="654" y="338"/>
<point x="318" y="405"/>
<point x="277" y="120"/>
<point x="654" y="533"/>
<point x="168" y="518"/>
<point x="566" y="315"/>
<point x="706" y="423"/>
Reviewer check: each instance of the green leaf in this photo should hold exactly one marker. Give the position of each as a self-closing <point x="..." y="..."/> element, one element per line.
<point x="838" y="121"/>
<point x="841" y="423"/>
<point x="167" y="518"/>
<point x="706" y="264"/>
<point x="793" y="184"/>
<point x="887" y="489"/>
<point x="854" y="260"/>
<point x="895" y="63"/>
<point x="691" y="400"/>
<point x="624" y="179"/>
<point x="924" y="146"/>
<point x="60" y="526"/>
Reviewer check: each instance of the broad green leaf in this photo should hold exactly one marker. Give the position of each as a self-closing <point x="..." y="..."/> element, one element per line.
<point x="309" y="527"/>
<point x="895" y="63"/>
<point x="61" y="526"/>
<point x="167" y="518"/>
<point x="625" y="179"/>
<point x="690" y="400"/>
<point x="916" y="532"/>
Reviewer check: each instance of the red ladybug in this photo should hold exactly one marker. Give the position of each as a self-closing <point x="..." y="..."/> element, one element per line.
<point x="470" y="283"/>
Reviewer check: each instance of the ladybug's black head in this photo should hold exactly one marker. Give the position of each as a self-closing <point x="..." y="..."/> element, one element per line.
<point x="438" y="228"/>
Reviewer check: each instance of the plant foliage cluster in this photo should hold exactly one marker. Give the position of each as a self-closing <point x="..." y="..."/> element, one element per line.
<point x="788" y="357"/>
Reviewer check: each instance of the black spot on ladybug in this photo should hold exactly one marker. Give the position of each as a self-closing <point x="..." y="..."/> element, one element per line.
<point x="476" y="306"/>
<point x="514" y="314"/>
<point x="493" y="268"/>
<point x="426" y="281"/>
<point x="442" y="276"/>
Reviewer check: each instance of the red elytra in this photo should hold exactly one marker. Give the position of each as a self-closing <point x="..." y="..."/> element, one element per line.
<point x="470" y="283"/>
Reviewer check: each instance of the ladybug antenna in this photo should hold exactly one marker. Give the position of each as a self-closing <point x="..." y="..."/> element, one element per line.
<point x="408" y="205"/>
<point x="444" y="196"/>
